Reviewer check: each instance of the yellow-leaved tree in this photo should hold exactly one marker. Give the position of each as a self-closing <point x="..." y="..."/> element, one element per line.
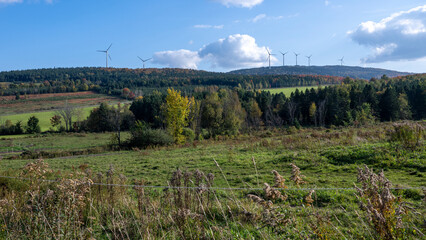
<point x="176" y="112"/>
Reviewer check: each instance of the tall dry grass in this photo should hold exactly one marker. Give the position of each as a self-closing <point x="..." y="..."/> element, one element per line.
<point x="75" y="206"/>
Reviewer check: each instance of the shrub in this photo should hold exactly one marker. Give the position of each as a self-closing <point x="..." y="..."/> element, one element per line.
<point x="10" y="129"/>
<point x="204" y="134"/>
<point x="32" y="125"/>
<point x="144" y="137"/>
<point x="189" y="134"/>
<point x="408" y="134"/>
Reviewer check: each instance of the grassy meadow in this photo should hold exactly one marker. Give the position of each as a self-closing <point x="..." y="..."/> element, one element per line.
<point x="43" y="117"/>
<point x="50" y="101"/>
<point x="327" y="158"/>
<point x="43" y="106"/>
<point x="287" y="90"/>
<point x="285" y="162"/>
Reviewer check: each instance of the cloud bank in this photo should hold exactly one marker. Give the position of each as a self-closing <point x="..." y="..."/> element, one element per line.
<point x="208" y="26"/>
<point x="180" y="59"/>
<point x="402" y="36"/>
<point x="19" y="1"/>
<point x="240" y="3"/>
<point x="235" y="51"/>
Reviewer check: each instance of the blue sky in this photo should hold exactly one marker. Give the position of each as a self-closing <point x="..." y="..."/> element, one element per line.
<point x="214" y="35"/>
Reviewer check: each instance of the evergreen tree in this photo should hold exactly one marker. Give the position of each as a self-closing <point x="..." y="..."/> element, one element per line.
<point x="389" y="105"/>
<point x="32" y="125"/>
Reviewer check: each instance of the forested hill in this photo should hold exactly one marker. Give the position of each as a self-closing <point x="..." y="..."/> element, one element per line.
<point x="340" y="71"/>
<point x="113" y="80"/>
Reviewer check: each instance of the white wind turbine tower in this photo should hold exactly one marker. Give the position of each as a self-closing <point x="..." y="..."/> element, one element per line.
<point x="269" y="57"/>
<point x="106" y="54"/>
<point x="341" y="61"/>
<point x="309" y="60"/>
<point x="283" y="57"/>
<point x="146" y="60"/>
<point x="296" y="54"/>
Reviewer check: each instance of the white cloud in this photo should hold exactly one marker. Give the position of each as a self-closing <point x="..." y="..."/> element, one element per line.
<point x="235" y="51"/>
<point x="240" y="3"/>
<point x="402" y="36"/>
<point x="20" y="1"/>
<point x="264" y="17"/>
<point x="327" y="3"/>
<point x="180" y="59"/>
<point x="9" y="1"/>
<point x="209" y="26"/>
<point x="258" y="17"/>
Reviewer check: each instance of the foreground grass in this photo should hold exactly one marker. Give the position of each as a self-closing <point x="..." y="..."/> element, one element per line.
<point x="74" y="209"/>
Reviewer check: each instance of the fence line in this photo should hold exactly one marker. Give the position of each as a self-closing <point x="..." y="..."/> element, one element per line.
<point x="203" y="187"/>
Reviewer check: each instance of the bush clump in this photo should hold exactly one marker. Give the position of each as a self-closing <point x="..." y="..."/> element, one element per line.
<point x="408" y="134"/>
<point x="189" y="134"/>
<point x="144" y="137"/>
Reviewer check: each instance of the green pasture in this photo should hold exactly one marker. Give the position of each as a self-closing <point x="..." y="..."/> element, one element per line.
<point x="288" y="90"/>
<point x="44" y="117"/>
<point x="327" y="158"/>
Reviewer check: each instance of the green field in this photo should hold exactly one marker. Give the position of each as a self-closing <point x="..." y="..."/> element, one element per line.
<point x="328" y="158"/>
<point x="288" y="90"/>
<point x="44" y="117"/>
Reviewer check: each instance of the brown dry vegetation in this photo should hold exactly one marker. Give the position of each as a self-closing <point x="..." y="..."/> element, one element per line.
<point x="49" y="101"/>
<point x="75" y="206"/>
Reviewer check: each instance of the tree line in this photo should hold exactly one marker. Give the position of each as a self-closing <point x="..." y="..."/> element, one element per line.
<point x="162" y="118"/>
<point x="113" y="80"/>
<point x="227" y="112"/>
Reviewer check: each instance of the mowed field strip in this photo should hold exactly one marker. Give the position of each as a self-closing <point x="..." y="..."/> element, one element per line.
<point x="49" y="101"/>
<point x="44" y="106"/>
<point x="288" y="90"/>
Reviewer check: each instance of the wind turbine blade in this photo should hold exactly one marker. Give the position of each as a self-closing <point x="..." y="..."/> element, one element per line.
<point x="148" y="59"/>
<point x="100" y="51"/>
<point x="140" y="58"/>
<point x="109" y="47"/>
<point x="109" y="57"/>
<point x="268" y="51"/>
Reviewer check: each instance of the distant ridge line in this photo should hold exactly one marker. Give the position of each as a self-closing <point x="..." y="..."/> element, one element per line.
<point x="329" y="70"/>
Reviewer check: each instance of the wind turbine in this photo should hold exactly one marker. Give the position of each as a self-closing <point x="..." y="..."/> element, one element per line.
<point x="106" y="54"/>
<point x="283" y="57"/>
<point x="341" y="61"/>
<point x="146" y="60"/>
<point x="296" y="54"/>
<point x="309" y="60"/>
<point x="269" y="57"/>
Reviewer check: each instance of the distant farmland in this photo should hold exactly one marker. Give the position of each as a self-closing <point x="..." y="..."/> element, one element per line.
<point x="43" y="106"/>
<point x="44" y="117"/>
<point x="287" y="91"/>
<point x="47" y="102"/>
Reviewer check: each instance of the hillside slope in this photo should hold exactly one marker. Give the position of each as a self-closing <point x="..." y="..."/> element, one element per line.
<point x="339" y="71"/>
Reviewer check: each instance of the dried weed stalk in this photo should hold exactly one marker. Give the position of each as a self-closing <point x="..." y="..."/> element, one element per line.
<point x="384" y="211"/>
